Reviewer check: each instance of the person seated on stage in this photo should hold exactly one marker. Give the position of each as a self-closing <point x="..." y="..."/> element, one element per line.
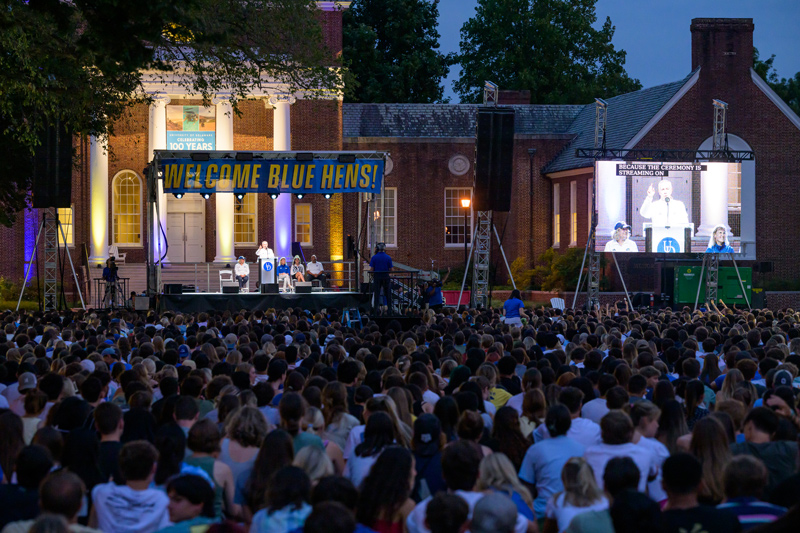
<point x="621" y="239"/>
<point x="283" y="275"/>
<point x="666" y="211"/>
<point x="298" y="270"/>
<point x="314" y="271"/>
<point x="718" y="242"/>
<point x="242" y="271"/>
<point x="264" y="251"/>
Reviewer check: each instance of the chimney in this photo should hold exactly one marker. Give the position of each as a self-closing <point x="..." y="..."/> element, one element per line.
<point x="509" y="97"/>
<point x="723" y="47"/>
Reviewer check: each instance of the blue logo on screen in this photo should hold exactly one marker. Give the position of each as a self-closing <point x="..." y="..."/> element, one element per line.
<point x="668" y="245"/>
<point x="268" y="265"/>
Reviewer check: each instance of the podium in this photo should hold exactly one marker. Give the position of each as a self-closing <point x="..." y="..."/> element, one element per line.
<point x="674" y="239"/>
<point x="266" y="271"/>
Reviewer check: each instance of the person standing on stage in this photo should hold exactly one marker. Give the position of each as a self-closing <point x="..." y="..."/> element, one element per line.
<point x="667" y="210"/>
<point x="283" y="275"/>
<point x="264" y="251"/>
<point x="381" y="265"/>
<point x="314" y="271"/>
<point x="242" y="271"/>
<point x="434" y="292"/>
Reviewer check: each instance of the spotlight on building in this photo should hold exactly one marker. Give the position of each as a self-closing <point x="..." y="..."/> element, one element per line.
<point x="244" y="156"/>
<point x="200" y="156"/>
<point x="205" y="195"/>
<point x="327" y="195"/>
<point x="347" y="158"/>
<point x="304" y="156"/>
<point x="178" y="195"/>
<point x="240" y="196"/>
<point x="299" y="196"/>
<point x="274" y="195"/>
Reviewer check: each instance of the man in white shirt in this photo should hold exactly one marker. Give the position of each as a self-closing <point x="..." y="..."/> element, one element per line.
<point x="583" y="431"/>
<point x="314" y="271"/>
<point x="666" y="211"/>
<point x="242" y="272"/>
<point x="617" y="432"/>
<point x="596" y="409"/>
<point x="264" y="251"/>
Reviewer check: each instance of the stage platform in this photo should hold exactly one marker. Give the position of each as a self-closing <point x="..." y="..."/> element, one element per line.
<point x="315" y="301"/>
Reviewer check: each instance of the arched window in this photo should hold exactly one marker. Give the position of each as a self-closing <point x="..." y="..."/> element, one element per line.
<point x="126" y="208"/>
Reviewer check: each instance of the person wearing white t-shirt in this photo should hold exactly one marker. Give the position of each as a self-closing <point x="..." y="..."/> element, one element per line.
<point x="644" y="416"/>
<point x="596" y="409"/>
<point x="583" y="431"/>
<point x="580" y="495"/>
<point x="617" y="433"/>
<point x="133" y="507"/>
<point x="314" y="271"/>
<point x="621" y="239"/>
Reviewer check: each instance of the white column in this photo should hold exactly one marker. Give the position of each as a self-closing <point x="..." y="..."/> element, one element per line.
<point x="713" y="199"/>
<point x="224" y="201"/>
<point x="282" y="142"/>
<point x="98" y="192"/>
<point x="611" y="199"/>
<point x="157" y="140"/>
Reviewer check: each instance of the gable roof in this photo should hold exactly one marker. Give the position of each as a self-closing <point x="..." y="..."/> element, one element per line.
<point x="629" y="117"/>
<point x="448" y="120"/>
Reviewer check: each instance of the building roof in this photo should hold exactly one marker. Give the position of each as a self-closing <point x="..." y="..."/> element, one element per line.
<point x="626" y="115"/>
<point x="448" y="120"/>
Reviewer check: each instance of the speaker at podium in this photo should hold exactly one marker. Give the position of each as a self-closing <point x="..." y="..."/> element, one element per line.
<point x="266" y="271"/>
<point x="673" y="239"/>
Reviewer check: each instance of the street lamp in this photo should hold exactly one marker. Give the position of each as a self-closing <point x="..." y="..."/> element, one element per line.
<point x="465" y="204"/>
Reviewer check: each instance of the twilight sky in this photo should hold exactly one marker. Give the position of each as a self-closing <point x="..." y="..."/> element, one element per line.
<point x="655" y="33"/>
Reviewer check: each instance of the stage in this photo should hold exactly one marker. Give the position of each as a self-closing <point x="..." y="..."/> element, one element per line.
<point x="315" y="301"/>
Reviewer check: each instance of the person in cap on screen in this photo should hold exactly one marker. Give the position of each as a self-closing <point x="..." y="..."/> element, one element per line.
<point x="718" y="242"/>
<point x="621" y="239"/>
<point x="242" y="271"/>
<point x="665" y="211"/>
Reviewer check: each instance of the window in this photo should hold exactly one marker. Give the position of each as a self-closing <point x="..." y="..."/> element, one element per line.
<point x="573" y="213"/>
<point x="734" y="187"/>
<point x="244" y="219"/>
<point x="302" y="224"/>
<point x="127" y="208"/>
<point x="386" y="205"/>
<point x="456" y="232"/>
<point x="65" y="217"/>
<point x="556" y="215"/>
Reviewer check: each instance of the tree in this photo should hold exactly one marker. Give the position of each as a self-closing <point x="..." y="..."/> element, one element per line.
<point x="787" y="88"/>
<point x="546" y="46"/>
<point x="84" y="62"/>
<point x="391" y="51"/>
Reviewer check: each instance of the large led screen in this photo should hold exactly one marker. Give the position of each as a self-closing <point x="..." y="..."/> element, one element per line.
<point x="652" y="207"/>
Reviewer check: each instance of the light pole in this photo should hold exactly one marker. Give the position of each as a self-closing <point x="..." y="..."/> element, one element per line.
<point x="465" y="204"/>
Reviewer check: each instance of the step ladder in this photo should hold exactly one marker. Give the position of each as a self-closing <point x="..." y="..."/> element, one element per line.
<point x="352" y="318"/>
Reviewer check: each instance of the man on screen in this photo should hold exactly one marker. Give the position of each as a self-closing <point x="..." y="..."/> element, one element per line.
<point x="666" y="211"/>
<point x="620" y="239"/>
<point x="718" y="242"/>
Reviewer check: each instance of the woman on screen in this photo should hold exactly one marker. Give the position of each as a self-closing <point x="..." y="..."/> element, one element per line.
<point x="718" y="242"/>
<point x="620" y="239"/>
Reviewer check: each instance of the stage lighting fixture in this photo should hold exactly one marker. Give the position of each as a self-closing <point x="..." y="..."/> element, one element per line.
<point x="299" y="195"/>
<point x="200" y="156"/>
<point x="239" y="196"/>
<point x="327" y="195"/>
<point x="274" y="195"/>
<point x="178" y="195"/>
<point x="244" y="156"/>
<point x="347" y="158"/>
<point x="304" y="156"/>
<point x="160" y="173"/>
<point x="205" y="195"/>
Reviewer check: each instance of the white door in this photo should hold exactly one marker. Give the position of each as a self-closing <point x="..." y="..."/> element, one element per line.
<point x="186" y="237"/>
<point x="195" y="238"/>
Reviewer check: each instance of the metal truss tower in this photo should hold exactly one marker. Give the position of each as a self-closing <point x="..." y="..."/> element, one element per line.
<point x="720" y="143"/>
<point x="50" y="260"/>
<point x="593" y="285"/>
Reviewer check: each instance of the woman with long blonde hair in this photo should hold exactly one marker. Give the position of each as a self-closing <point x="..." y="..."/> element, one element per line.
<point x="497" y="473"/>
<point x="581" y="494"/>
<point x="710" y="446"/>
<point x="732" y="379"/>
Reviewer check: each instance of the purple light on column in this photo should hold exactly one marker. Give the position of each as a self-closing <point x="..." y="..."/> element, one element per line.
<point x="282" y="218"/>
<point x="31" y="226"/>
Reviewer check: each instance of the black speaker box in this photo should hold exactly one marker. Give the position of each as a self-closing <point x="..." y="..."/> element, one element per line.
<point x="52" y="169"/>
<point x="494" y="150"/>
<point x="302" y="287"/>
<point x="173" y="288"/>
<point x="269" y="288"/>
<point x="230" y="289"/>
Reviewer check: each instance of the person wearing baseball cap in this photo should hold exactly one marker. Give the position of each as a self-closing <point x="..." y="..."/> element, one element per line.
<point x="620" y="239"/>
<point x="242" y="271"/>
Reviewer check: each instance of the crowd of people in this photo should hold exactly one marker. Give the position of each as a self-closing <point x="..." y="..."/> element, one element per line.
<point x="606" y="421"/>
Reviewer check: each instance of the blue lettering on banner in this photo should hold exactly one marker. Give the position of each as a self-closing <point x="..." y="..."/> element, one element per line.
<point x="320" y="176"/>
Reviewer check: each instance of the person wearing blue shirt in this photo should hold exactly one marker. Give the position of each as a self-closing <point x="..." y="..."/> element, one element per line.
<point x="718" y="242"/>
<point x="283" y="275"/>
<point x="512" y="308"/>
<point x="381" y="265"/>
<point x="543" y="462"/>
<point x="434" y="292"/>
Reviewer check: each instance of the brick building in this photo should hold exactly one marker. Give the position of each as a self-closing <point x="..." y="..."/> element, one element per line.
<point x="430" y="169"/>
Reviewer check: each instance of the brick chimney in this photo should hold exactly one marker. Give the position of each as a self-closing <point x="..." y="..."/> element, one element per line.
<point x="509" y="97"/>
<point x="723" y="47"/>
